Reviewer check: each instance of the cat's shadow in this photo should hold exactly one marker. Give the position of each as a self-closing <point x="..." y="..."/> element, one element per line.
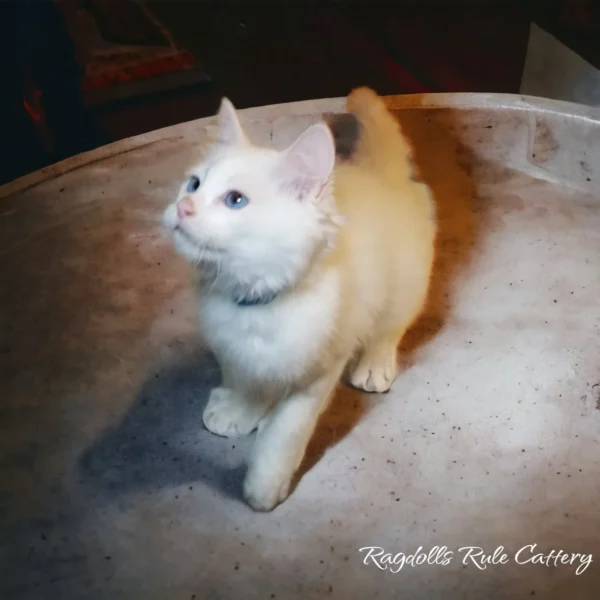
<point x="161" y="443"/>
<point x="444" y="163"/>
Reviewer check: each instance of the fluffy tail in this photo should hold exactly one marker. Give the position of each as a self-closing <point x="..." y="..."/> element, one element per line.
<point x="381" y="145"/>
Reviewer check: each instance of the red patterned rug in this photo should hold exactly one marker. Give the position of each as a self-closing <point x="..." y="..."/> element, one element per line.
<point x="126" y="51"/>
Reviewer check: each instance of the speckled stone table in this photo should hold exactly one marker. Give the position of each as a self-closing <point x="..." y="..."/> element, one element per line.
<point x="111" y="488"/>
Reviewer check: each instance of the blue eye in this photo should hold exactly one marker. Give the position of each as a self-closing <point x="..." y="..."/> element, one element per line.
<point x="234" y="199"/>
<point x="192" y="185"/>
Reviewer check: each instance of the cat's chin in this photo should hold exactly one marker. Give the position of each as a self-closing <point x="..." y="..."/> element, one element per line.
<point x="192" y="250"/>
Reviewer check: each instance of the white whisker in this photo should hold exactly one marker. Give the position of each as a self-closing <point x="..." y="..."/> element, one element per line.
<point x="216" y="276"/>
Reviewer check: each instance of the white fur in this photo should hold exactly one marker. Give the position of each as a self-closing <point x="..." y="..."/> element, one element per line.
<point x="350" y="272"/>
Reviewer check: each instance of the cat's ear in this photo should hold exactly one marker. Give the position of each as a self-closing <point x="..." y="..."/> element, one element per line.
<point x="307" y="164"/>
<point x="230" y="129"/>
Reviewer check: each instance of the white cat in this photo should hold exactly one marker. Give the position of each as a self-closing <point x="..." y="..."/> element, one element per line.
<point x="305" y="267"/>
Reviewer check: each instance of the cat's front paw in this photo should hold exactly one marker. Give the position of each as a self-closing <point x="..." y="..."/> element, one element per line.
<point x="230" y="414"/>
<point x="264" y="491"/>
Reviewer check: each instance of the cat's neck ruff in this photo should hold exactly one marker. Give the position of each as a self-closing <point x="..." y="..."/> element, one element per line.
<point x="258" y="293"/>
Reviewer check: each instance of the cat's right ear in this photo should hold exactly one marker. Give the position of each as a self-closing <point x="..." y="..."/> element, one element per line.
<point x="308" y="163"/>
<point x="230" y="129"/>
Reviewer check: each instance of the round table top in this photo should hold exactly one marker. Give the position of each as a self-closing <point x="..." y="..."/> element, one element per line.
<point x="110" y="486"/>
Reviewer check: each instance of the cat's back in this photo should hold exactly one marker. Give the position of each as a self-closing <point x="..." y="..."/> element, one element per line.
<point x="375" y="184"/>
<point x="386" y="243"/>
<point x="392" y="215"/>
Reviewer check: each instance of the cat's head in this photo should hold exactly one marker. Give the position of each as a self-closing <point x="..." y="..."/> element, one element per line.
<point x="255" y="218"/>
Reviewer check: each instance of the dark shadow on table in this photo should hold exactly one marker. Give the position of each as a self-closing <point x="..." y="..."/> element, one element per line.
<point x="161" y="441"/>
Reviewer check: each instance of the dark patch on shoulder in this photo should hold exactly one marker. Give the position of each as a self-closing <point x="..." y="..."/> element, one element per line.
<point x="345" y="128"/>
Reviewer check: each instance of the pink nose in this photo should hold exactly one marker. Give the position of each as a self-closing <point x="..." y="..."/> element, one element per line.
<point x="185" y="208"/>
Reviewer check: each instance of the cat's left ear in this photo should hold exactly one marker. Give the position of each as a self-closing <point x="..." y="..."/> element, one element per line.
<point x="307" y="164"/>
<point x="230" y="129"/>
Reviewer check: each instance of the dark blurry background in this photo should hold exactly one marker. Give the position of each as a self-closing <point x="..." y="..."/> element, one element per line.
<point x="81" y="73"/>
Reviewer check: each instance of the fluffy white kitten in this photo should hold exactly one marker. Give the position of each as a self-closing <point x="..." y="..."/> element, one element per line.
<point x="305" y="267"/>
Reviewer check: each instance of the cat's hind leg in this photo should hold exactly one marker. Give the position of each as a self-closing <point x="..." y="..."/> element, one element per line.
<point x="377" y="365"/>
